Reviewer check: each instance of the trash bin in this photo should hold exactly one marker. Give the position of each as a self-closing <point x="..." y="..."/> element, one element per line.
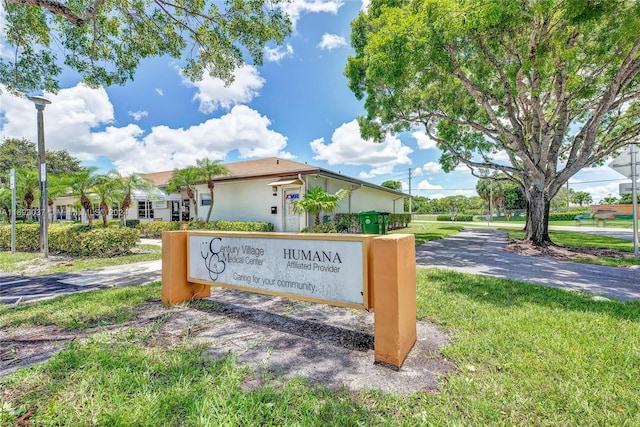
<point x="383" y="220"/>
<point x="369" y="222"/>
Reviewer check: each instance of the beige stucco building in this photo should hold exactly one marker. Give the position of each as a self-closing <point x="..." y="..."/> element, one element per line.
<point x="256" y="190"/>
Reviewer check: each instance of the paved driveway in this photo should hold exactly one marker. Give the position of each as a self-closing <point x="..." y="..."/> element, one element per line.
<point x="480" y="251"/>
<point x="15" y="288"/>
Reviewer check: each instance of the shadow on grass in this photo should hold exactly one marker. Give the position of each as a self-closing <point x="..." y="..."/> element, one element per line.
<point x="316" y="331"/>
<point x="512" y="293"/>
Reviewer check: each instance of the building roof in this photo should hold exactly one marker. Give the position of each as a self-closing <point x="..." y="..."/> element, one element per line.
<point x="271" y="167"/>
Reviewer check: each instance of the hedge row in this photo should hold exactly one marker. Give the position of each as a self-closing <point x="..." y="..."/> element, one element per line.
<point x="79" y="240"/>
<point x="154" y="229"/>
<point x="455" y="217"/>
<point x="565" y="216"/>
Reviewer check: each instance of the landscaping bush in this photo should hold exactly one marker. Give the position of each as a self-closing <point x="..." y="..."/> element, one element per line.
<point x="223" y="225"/>
<point x="327" y="227"/>
<point x="398" y="221"/>
<point x="81" y="240"/>
<point x="565" y="216"/>
<point x="27" y="237"/>
<point x="132" y="223"/>
<point x="103" y="242"/>
<point x="454" y="217"/>
<point x="154" y="229"/>
<point x="347" y="222"/>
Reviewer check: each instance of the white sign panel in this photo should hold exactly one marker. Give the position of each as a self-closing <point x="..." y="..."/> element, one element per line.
<point x="622" y="163"/>
<point x="322" y="270"/>
<point x="626" y="188"/>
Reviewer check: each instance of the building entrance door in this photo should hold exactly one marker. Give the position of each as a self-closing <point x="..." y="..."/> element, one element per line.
<point x="185" y="209"/>
<point x="291" y="219"/>
<point x="175" y="210"/>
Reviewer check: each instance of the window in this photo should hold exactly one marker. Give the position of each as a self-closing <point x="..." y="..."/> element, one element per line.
<point x="145" y="209"/>
<point x="96" y="211"/>
<point x="61" y="212"/>
<point x="205" y="199"/>
<point x="115" y="211"/>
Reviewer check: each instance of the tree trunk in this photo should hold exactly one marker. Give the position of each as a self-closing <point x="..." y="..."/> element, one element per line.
<point x="210" y="202"/>
<point x="537" y="228"/>
<point x="104" y="211"/>
<point x="88" y="208"/>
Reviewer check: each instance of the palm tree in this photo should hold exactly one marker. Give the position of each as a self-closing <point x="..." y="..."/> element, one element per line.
<point x="82" y="184"/>
<point x="207" y="170"/>
<point x="187" y="178"/>
<point x="5" y="201"/>
<point x="29" y="184"/>
<point x="125" y="186"/>
<point x="106" y="190"/>
<point x="317" y="200"/>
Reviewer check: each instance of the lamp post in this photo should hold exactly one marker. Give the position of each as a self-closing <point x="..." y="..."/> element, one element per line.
<point x="40" y="103"/>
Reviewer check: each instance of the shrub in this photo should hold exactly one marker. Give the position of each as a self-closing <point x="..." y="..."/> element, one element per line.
<point x="398" y="221"/>
<point x="132" y="223"/>
<point x="223" y="225"/>
<point x="327" y="227"/>
<point x="72" y="239"/>
<point x="454" y="217"/>
<point x="104" y="242"/>
<point x="27" y="237"/>
<point x="565" y="216"/>
<point x="347" y="222"/>
<point x="154" y="229"/>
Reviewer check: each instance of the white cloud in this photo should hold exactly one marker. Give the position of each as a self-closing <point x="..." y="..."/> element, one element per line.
<point x="213" y="94"/>
<point x="426" y="185"/>
<point x="331" y="41"/>
<point x="431" y="168"/>
<point x="424" y="142"/>
<point x="160" y="92"/>
<point x="68" y="121"/>
<point x="347" y="147"/>
<point x="242" y="129"/>
<point x="365" y="5"/>
<point x="137" y="115"/>
<point x="277" y="53"/>
<point x="296" y="8"/>
<point x="80" y="120"/>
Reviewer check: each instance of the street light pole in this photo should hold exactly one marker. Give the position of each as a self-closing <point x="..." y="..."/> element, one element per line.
<point x="40" y="103"/>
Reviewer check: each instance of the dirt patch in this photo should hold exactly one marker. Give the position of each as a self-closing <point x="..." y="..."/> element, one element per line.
<point x="328" y="345"/>
<point x="563" y="253"/>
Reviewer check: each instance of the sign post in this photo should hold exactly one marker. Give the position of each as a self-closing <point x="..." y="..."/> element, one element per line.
<point x="12" y="185"/>
<point x="627" y="164"/>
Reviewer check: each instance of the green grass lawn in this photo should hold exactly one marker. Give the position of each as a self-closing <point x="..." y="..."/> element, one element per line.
<point x="524" y="355"/>
<point x="430" y="231"/>
<point x="32" y="263"/>
<point x="578" y="240"/>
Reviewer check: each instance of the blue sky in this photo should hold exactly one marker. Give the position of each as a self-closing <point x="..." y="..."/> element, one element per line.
<point x="297" y="105"/>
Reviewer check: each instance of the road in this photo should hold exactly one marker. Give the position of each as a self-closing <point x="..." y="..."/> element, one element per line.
<point x="481" y="251"/>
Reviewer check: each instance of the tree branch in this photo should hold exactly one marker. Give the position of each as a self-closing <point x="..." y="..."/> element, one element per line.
<point x="63" y="10"/>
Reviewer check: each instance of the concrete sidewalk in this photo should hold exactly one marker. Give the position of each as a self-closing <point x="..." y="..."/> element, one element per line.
<point x="481" y="251"/>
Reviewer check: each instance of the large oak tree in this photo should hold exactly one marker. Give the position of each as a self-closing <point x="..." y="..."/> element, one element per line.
<point x="550" y="86"/>
<point x="105" y="40"/>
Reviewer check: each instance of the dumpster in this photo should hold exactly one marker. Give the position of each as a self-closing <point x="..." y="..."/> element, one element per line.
<point x="374" y="222"/>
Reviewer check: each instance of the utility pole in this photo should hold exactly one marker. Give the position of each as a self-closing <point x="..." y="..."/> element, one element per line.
<point x="410" y="197"/>
<point x="567" y="195"/>
<point x="12" y="184"/>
